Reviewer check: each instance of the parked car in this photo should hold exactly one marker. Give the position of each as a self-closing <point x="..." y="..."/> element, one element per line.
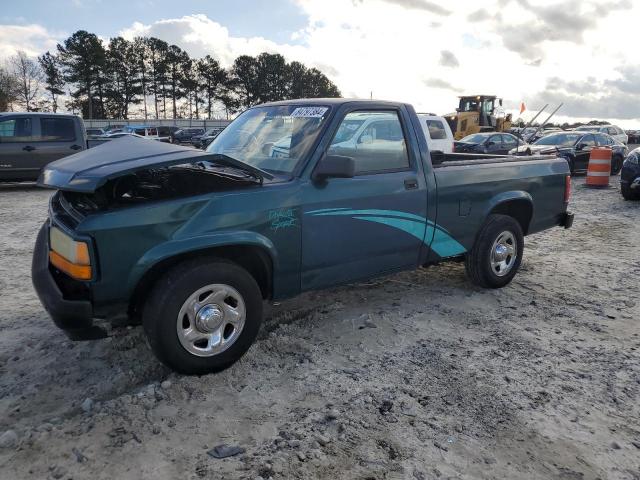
<point x="576" y="147"/>
<point x="167" y="132"/>
<point x="93" y="133"/>
<point x="113" y="128"/>
<point x="630" y="176"/>
<point x="612" y="130"/>
<point x="184" y="135"/>
<point x="437" y="132"/>
<point x="492" y="143"/>
<point x="203" y="141"/>
<point x="633" y="135"/>
<point x="146" y="131"/>
<point x="210" y="235"/>
<point x="111" y="136"/>
<point x="29" y="141"/>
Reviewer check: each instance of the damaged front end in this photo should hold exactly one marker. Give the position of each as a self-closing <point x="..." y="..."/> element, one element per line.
<point x="157" y="184"/>
<point x="82" y="258"/>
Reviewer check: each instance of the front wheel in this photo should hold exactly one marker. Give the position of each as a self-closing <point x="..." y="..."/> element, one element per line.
<point x="202" y="316"/>
<point x="616" y="164"/>
<point x="496" y="256"/>
<point x="628" y="193"/>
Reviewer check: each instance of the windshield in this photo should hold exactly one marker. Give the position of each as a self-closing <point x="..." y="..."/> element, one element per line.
<point x="475" y="138"/>
<point x="587" y="129"/>
<point x="560" y="139"/>
<point x="274" y="138"/>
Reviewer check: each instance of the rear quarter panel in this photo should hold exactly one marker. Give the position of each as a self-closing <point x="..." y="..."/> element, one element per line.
<point x="468" y="193"/>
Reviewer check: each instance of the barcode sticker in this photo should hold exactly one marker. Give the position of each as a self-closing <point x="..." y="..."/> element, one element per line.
<point x="309" y="112"/>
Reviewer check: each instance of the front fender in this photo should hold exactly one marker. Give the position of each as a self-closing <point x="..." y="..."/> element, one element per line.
<point x="174" y="248"/>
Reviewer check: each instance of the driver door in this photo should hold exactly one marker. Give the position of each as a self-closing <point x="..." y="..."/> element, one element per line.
<point x="373" y="223"/>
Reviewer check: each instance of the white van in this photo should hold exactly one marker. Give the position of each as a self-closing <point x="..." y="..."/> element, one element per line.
<point x="437" y="132"/>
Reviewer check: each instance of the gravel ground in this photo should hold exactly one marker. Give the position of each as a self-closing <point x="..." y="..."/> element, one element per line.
<point x="414" y="376"/>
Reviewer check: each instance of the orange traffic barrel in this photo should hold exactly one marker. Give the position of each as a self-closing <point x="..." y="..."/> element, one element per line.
<point x="599" y="167"/>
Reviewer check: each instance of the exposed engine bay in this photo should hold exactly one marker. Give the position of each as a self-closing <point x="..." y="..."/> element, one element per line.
<point x="160" y="184"/>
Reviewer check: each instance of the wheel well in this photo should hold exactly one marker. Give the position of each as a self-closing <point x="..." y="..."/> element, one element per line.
<point x="253" y="259"/>
<point x="519" y="209"/>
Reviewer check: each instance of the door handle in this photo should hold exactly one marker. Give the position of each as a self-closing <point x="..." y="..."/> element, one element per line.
<point x="410" y="184"/>
<point x="28" y="148"/>
<point x="75" y="147"/>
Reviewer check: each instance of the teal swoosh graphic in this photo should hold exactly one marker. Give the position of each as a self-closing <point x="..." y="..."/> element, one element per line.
<point x="417" y="229"/>
<point x="421" y="228"/>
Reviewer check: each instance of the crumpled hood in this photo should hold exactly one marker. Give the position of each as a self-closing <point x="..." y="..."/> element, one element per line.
<point x="90" y="169"/>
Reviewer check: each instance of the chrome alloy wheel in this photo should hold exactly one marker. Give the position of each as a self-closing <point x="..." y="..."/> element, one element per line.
<point x="211" y="320"/>
<point x="504" y="253"/>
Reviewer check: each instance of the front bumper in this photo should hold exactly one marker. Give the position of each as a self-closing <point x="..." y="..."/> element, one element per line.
<point x="567" y="220"/>
<point x="73" y="316"/>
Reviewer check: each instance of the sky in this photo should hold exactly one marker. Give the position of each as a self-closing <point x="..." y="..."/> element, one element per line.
<point x="582" y="53"/>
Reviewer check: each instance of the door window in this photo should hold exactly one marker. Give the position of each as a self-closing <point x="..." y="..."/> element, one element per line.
<point x="379" y="145"/>
<point x="603" y="139"/>
<point x="57" y="130"/>
<point x="509" y="141"/>
<point x="436" y="130"/>
<point x="588" y="140"/>
<point x="497" y="142"/>
<point x="15" y="130"/>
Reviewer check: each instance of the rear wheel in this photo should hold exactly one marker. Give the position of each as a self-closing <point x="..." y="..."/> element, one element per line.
<point x="496" y="256"/>
<point x="616" y="164"/>
<point x="628" y="193"/>
<point x="202" y="316"/>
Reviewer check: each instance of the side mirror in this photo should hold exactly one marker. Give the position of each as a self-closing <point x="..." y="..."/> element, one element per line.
<point x="581" y="146"/>
<point x="437" y="157"/>
<point x="489" y="143"/>
<point x="366" y="139"/>
<point x="334" y="166"/>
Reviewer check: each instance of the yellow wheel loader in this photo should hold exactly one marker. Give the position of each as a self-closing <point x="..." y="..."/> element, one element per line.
<point x="478" y="113"/>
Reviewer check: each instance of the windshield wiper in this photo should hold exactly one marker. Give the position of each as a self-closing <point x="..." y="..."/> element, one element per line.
<point x="223" y="159"/>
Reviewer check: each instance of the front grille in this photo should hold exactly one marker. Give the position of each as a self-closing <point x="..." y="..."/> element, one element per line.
<point x="63" y="212"/>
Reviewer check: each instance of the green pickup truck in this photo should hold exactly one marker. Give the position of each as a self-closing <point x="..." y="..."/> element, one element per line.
<point x="292" y="196"/>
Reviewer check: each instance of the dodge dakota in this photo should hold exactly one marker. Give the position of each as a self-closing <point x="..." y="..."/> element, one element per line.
<point x="292" y="196"/>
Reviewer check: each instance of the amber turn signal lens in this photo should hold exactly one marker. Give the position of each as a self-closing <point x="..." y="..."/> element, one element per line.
<point x="82" y="254"/>
<point x="79" y="272"/>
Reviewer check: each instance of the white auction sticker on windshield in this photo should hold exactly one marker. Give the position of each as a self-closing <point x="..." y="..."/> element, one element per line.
<point x="309" y="112"/>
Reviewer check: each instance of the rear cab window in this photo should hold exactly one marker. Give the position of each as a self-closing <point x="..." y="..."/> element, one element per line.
<point x="436" y="130"/>
<point x="57" y="130"/>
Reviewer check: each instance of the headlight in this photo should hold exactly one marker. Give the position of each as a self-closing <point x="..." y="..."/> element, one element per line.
<point x="68" y="255"/>
<point x="632" y="159"/>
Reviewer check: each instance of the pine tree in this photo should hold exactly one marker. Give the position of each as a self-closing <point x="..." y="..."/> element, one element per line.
<point x="54" y="82"/>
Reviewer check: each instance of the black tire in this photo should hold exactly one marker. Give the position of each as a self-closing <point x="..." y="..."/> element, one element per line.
<point x="163" y="305"/>
<point x="628" y="193"/>
<point x="616" y="164"/>
<point x="478" y="260"/>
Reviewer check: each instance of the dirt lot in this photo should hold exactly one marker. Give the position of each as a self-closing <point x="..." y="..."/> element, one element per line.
<point x="414" y="376"/>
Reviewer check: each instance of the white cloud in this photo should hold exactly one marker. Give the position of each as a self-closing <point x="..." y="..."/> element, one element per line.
<point x="32" y="39"/>
<point x="200" y="36"/>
